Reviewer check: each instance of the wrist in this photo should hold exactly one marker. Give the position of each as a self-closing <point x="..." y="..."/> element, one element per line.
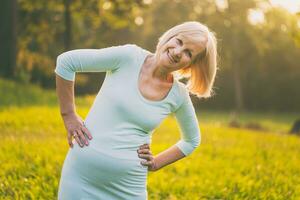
<point x="68" y="114"/>
<point x="69" y="117"/>
<point x="156" y="166"/>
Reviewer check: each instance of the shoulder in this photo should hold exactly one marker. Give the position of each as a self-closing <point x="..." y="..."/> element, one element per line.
<point x="183" y="94"/>
<point x="135" y="53"/>
<point x="130" y="51"/>
<point x="130" y="47"/>
<point x="183" y="91"/>
<point x="124" y="49"/>
<point x="180" y="95"/>
<point x="137" y="49"/>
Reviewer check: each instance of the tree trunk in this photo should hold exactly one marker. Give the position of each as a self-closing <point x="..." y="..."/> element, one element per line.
<point x="68" y="25"/>
<point x="238" y="87"/>
<point x="236" y="65"/>
<point x="8" y="38"/>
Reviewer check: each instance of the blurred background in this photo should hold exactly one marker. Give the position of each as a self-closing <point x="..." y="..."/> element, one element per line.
<point x="258" y="42"/>
<point x="247" y="151"/>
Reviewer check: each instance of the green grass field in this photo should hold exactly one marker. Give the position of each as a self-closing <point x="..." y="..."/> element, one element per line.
<point x="231" y="163"/>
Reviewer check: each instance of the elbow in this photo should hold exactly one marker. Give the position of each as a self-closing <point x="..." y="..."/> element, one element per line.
<point x="60" y="59"/>
<point x="64" y="67"/>
<point x="65" y="59"/>
<point x="196" y="142"/>
<point x="188" y="146"/>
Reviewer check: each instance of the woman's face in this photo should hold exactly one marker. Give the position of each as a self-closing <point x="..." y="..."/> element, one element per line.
<point x="178" y="53"/>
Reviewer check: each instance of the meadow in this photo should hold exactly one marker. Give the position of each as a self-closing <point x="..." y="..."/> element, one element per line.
<point x="231" y="162"/>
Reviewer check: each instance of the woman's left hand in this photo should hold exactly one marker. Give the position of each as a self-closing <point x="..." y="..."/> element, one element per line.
<point x="145" y="153"/>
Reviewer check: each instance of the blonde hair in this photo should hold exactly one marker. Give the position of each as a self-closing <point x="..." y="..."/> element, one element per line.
<point x="202" y="71"/>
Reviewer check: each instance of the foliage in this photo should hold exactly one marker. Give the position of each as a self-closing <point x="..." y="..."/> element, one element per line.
<point x="21" y="95"/>
<point x="41" y="30"/>
<point x="264" y="55"/>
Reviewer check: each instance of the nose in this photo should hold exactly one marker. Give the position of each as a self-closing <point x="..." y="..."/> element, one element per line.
<point x="177" y="53"/>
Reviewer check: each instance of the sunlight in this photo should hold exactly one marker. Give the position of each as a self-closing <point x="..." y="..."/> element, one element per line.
<point x="107" y="5"/>
<point x="139" y="20"/>
<point x="222" y="4"/>
<point x="292" y="6"/>
<point x="147" y="1"/>
<point x="256" y="16"/>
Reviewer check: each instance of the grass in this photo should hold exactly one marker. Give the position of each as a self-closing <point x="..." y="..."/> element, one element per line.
<point x="231" y="163"/>
<point x="24" y="95"/>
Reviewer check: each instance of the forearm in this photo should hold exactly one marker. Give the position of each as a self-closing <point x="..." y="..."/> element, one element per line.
<point x="168" y="156"/>
<point x="65" y="94"/>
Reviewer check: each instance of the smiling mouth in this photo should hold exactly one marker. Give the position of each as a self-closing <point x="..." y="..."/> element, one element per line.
<point x="170" y="57"/>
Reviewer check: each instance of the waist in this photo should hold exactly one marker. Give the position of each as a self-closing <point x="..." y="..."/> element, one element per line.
<point x="117" y="148"/>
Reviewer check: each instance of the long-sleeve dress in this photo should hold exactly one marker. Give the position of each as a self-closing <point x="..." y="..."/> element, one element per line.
<point x="120" y="120"/>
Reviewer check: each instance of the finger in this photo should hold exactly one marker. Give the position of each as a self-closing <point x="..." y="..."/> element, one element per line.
<point x="70" y="140"/>
<point x="78" y="133"/>
<point x="87" y="132"/>
<point x="144" y="146"/>
<point x="146" y="156"/>
<point x="76" y="137"/>
<point x="146" y="163"/>
<point x="145" y="151"/>
<point x="82" y="137"/>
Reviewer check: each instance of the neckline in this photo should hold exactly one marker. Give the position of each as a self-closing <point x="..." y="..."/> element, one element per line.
<point x="137" y="84"/>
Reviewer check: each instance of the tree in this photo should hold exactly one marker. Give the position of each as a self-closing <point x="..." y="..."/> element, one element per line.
<point x="68" y="25"/>
<point x="8" y="38"/>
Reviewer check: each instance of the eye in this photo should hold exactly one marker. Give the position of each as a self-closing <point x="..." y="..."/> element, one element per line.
<point x="188" y="52"/>
<point x="179" y="41"/>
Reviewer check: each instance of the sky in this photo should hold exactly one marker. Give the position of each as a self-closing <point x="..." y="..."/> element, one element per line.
<point x="257" y="16"/>
<point x="292" y="5"/>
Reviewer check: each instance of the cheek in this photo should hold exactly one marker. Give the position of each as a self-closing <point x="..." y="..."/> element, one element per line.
<point x="164" y="57"/>
<point x="186" y="60"/>
<point x="161" y="57"/>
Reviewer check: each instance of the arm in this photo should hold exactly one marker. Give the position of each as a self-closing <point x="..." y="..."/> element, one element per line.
<point x="189" y="128"/>
<point x="166" y="157"/>
<point x="190" y="138"/>
<point x="90" y="60"/>
<point x="65" y="94"/>
<point x="81" y="60"/>
<point x="73" y="123"/>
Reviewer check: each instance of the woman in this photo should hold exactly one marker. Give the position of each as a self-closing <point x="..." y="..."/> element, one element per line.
<point x="140" y="90"/>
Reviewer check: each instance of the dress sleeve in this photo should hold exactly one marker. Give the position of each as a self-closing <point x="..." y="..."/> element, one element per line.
<point x="90" y="60"/>
<point x="186" y="117"/>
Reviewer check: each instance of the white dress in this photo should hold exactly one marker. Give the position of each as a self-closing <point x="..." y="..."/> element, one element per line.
<point x="120" y="120"/>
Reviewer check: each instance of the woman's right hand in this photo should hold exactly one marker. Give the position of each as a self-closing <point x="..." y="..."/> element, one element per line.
<point x="75" y="128"/>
